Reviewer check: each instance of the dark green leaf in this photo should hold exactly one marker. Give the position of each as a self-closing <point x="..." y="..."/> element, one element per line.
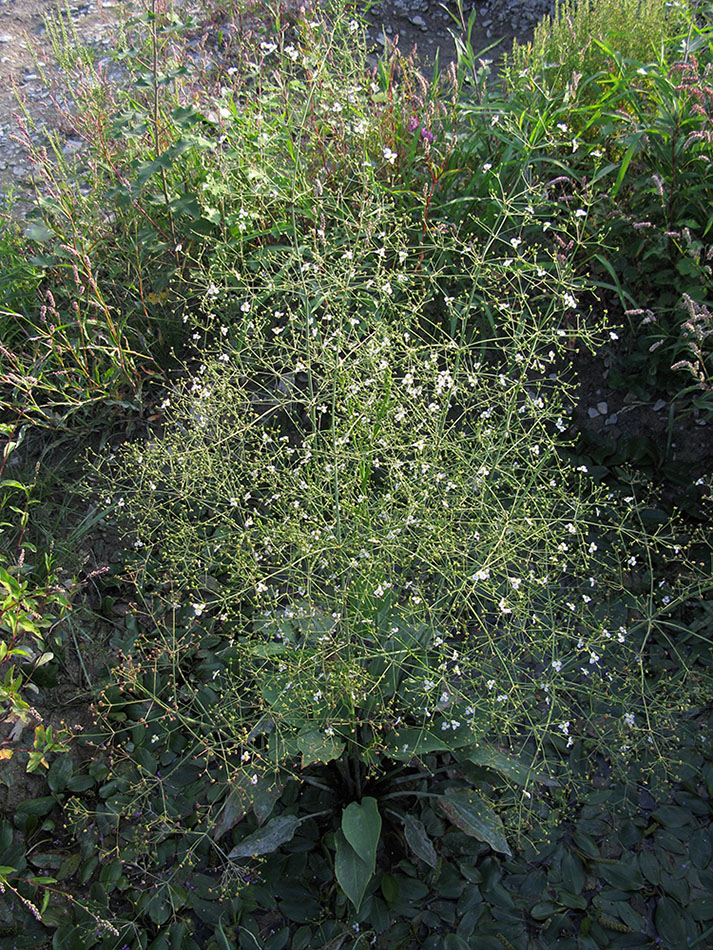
<point x="36" y="806"/>
<point x="418" y="840"/>
<point x="512" y="768"/>
<point x="110" y="874"/>
<point x="361" y="824"/>
<point x="265" y="840"/>
<point x="316" y="747"/>
<point x="543" y="910"/>
<point x="473" y="815"/>
<point x="701" y="849"/>
<point x="232" y="812"/>
<point x="60" y="773"/>
<point x="701" y="908"/>
<point x="353" y="874"/>
<point x="650" y="867"/>
<point x="568" y="899"/>
<point x="454" y="942"/>
<point x="669" y="923"/>
<point x="626" y="877"/>
<point x="69" y="866"/>
<point x="390" y="888"/>
<point x="573" y="873"/>
<point x="672" y="816"/>
<point x="404" y="744"/>
<point x="80" y="783"/>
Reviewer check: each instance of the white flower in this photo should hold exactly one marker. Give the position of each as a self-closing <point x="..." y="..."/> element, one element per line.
<point x="557" y="665"/>
<point x="198" y="609"/>
<point x="245" y="757"/>
<point x="629" y="719"/>
<point x="487" y="166"/>
<point x="253" y="780"/>
<point x="245" y="306"/>
<point x="490" y="684"/>
<point x="389" y="155"/>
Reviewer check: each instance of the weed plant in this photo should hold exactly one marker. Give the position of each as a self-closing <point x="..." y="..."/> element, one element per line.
<point x="361" y="539"/>
<point x="382" y="621"/>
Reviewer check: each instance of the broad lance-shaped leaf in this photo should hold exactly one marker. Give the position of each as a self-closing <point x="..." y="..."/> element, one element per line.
<point x="473" y="815"/>
<point x="353" y="874"/>
<point x="404" y="744"/>
<point x="512" y="768"/>
<point x="361" y="825"/>
<point x="265" y="840"/>
<point x="418" y="840"/>
<point x="316" y="747"/>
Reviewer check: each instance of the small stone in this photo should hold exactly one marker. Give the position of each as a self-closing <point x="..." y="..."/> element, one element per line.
<point x="612" y="420"/>
<point x="593" y="413"/>
<point x="6" y="38"/>
<point x="418" y="21"/>
<point x="658" y="405"/>
<point x="603" y="408"/>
